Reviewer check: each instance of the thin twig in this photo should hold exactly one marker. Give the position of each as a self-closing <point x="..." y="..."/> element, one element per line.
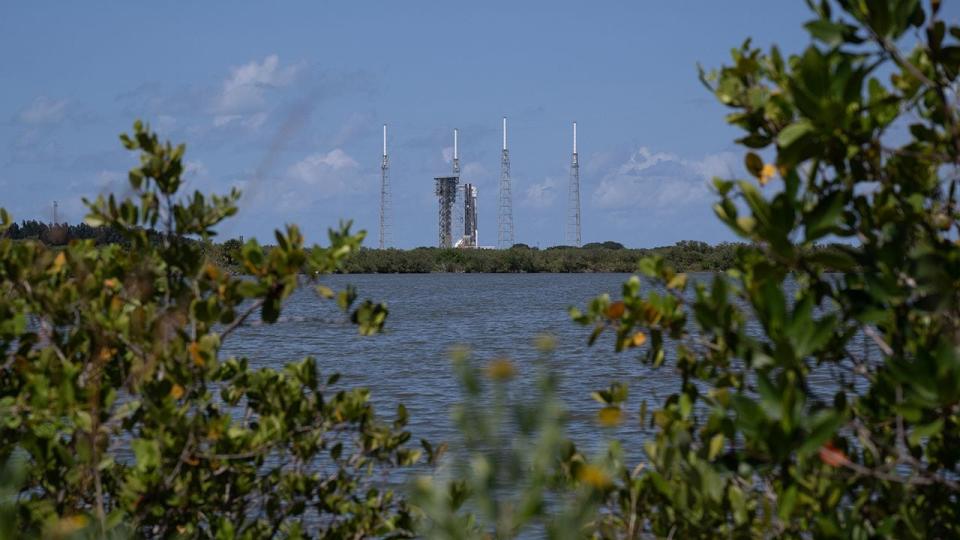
<point x="236" y="324"/>
<point x="878" y="339"/>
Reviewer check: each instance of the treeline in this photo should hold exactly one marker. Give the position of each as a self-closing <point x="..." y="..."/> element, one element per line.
<point x="685" y="256"/>
<point x="226" y="254"/>
<point x="600" y="257"/>
<point x="60" y="234"/>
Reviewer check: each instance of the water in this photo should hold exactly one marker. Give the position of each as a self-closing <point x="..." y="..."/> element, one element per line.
<point x="497" y="315"/>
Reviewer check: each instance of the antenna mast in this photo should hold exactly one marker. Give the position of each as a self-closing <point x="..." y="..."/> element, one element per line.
<point x="456" y="152"/>
<point x="384" y="194"/>
<point x="505" y="237"/>
<point x="54" y="212"/>
<point x="573" y="196"/>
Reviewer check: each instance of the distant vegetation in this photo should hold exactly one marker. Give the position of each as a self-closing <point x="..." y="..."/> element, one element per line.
<point x="684" y="256"/>
<point x="606" y="257"/>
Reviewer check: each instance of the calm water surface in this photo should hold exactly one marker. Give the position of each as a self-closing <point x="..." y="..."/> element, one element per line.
<point x="495" y="314"/>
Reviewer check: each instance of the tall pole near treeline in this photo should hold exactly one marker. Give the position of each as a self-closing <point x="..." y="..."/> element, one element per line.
<point x="505" y="236"/>
<point x="384" y="194"/>
<point x="573" y="196"/>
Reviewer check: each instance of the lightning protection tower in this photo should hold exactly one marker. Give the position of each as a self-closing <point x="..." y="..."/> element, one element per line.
<point x="384" y="194"/>
<point x="456" y="152"/>
<point x="573" y="196"/>
<point x="505" y="210"/>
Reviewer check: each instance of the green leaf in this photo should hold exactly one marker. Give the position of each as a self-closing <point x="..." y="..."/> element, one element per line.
<point x="147" y="454"/>
<point x="793" y="133"/>
<point x="823" y="218"/>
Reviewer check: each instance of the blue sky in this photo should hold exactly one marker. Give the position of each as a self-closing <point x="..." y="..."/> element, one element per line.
<point x="286" y="101"/>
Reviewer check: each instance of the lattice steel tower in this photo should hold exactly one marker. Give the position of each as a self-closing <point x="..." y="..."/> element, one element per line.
<point x="573" y="196"/>
<point x="384" y="194"/>
<point x="505" y="237"/>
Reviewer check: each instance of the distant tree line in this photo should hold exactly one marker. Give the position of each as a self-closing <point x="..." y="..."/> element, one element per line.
<point x="599" y="257"/>
<point x="60" y="234"/>
<point x="686" y="256"/>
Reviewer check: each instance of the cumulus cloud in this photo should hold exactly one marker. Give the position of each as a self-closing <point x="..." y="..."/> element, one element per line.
<point x="316" y="177"/>
<point x="660" y="181"/>
<point x="542" y="194"/>
<point x="243" y="93"/>
<point x="43" y="110"/>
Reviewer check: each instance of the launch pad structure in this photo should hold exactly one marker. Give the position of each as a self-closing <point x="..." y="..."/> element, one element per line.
<point x="446" y="191"/>
<point x="458" y="213"/>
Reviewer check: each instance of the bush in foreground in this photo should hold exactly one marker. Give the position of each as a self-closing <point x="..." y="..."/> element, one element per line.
<point x="784" y="424"/>
<point x="119" y="417"/>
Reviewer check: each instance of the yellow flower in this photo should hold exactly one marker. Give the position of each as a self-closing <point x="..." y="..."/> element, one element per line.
<point x="767" y="173"/>
<point x="638" y="339"/>
<point x="176" y="391"/>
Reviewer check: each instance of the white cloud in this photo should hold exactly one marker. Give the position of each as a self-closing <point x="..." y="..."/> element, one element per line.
<point x="319" y="176"/>
<point x="43" y="110"/>
<point x="244" y="88"/>
<point x="194" y="169"/>
<point x="447" y="154"/>
<point x="108" y="180"/>
<point x="542" y="194"/>
<point x="660" y="181"/>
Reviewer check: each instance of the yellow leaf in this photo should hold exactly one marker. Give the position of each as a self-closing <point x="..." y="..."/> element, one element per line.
<point x="59" y="261"/>
<point x="652" y="314"/>
<point x="325" y="291"/>
<point x="678" y="281"/>
<point x="746" y="223"/>
<point x="194" y="349"/>
<point x="501" y="369"/>
<point x="609" y="416"/>
<point x="716" y="445"/>
<point x="767" y="173"/>
<point x="176" y="391"/>
<point x="594" y="476"/>
<point x="545" y="343"/>
<point x="69" y="525"/>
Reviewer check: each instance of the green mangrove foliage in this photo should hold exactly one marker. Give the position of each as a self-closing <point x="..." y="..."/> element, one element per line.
<point x="798" y="431"/>
<point x="689" y="255"/>
<point x="118" y="414"/>
<point x="783" y="423"/>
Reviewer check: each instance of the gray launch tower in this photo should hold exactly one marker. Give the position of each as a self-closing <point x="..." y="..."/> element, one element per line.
<point x="470" y="234"/>
<point x="446" y="191"/>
